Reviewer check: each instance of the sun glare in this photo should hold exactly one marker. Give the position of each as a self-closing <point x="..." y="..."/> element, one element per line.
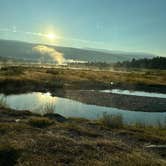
<point x="51" y="36"/>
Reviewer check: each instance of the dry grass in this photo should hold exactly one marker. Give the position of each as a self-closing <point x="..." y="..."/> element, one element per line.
<point x="112" y="121"/>
<point x="40" y="122"/>
<point x="37" y="141"/>
<point x="61" y="76"/>
<point x="47" y="108"/>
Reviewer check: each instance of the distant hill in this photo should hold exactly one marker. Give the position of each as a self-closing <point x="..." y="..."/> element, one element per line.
<point x="23" y="51"/>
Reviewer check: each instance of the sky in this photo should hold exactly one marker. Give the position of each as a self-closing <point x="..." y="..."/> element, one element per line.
<point x="125" y="25"/>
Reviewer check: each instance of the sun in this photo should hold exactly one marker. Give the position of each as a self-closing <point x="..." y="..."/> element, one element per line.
<point x="51" y="36"/>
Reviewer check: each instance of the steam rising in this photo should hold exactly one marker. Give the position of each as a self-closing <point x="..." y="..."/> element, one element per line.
<point x="48" y="51"/>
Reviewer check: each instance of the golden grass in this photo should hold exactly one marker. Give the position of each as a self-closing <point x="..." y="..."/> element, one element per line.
<point x="70" y="75"/>
<point x="75" y="142"/>
<point x="40" y="122"/>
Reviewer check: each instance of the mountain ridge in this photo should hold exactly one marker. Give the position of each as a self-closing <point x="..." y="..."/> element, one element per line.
<point x="23" y="50"/>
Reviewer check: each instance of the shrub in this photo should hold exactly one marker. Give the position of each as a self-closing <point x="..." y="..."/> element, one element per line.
<point x="3" y="103"/>
<point x="48" y="108"/>
<point x="40" y="122"/>
<point x="140" y="125"/>
<point x="112" y="121"/>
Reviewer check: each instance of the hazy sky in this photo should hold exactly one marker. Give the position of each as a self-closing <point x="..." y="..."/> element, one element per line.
<point x="129" y="25"/>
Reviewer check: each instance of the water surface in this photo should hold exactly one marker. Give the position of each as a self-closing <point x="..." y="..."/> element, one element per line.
<point x="135" y="93"/>
<point x="70" y="108"/>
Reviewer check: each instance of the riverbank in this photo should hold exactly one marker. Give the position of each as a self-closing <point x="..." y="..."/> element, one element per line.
<point x="31" y="139"/>
<point x="27" y="79"/>
<point x="125" y="102"/>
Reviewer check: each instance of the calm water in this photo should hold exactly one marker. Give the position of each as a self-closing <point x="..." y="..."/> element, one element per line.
<point x="70" y="108"/>
<point x="135" y="93"/>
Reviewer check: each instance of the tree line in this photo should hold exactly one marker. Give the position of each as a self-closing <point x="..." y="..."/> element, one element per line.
<point x="154" y="63"/>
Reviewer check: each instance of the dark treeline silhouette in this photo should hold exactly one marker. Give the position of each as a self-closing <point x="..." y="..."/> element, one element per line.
<point x="154" y="63"/>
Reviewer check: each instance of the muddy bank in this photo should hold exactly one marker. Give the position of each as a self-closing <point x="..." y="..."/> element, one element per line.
<point x="126" y="102"/>
<point x="12" y="86"/>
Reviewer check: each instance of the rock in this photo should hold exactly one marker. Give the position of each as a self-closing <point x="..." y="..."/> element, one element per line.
<point x="17" y="120"/>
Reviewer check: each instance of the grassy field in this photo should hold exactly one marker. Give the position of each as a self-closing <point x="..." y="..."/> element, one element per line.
<point x="16" y="79"/>
<point x="27" y="139"/>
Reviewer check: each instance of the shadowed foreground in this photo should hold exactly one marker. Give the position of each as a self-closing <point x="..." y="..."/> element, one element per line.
<point x="27" y="139"/>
